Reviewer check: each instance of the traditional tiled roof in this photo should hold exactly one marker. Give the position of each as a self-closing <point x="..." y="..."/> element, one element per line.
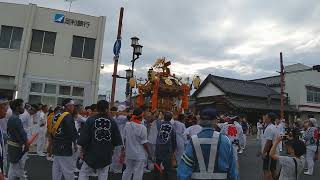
<point x="272" y="81"/>
<point x="240" y="87"/>
<point x="256" y="104"/>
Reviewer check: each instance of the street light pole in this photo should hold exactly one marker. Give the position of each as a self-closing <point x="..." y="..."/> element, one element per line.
<point x="137" y="51"/>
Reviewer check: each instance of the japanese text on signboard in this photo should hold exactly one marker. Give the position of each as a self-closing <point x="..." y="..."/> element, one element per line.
<point x="74" y="22"/>
<point x="60" y="18"/>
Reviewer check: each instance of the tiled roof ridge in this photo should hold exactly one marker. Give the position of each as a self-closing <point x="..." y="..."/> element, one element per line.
<point x="245" y="81"/>
<point x="269" y="77"/>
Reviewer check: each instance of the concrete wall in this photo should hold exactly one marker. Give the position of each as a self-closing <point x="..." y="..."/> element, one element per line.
<point x="296" y="86"/>
<point x="13" y="14"/>
<point x="8" y="60"/>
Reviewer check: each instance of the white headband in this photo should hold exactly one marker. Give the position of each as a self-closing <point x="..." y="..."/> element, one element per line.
<point x="70" y="103"/>
<point x="4" y="101"/>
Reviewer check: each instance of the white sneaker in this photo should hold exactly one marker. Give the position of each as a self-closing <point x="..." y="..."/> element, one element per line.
<point x="77" y="170"/>
<point x="241" y="151"/>
<point x="41" y="154"/>
<point x="307" y="173"/>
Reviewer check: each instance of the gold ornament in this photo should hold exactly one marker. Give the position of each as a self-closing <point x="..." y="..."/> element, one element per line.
<point x="151" y="75"/>
<point x="132" y="82"/>
<point x="196" y="82"/>
<point x="168" y="81"/>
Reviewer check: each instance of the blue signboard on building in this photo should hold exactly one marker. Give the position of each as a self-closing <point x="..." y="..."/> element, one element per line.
<point x="59" y="18"/>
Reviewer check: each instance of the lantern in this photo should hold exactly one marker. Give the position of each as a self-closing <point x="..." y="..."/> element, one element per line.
<point x="129" y="73"/>
<point x="132" y="82"/>
<point x="196" y="82"/>
<point x="134" y="41"/>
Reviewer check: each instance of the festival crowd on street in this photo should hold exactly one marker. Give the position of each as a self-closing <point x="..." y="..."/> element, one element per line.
<point x="97" y="140"/>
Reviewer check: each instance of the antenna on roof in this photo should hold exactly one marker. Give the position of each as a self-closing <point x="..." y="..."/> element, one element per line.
<point x="70" y="3"/>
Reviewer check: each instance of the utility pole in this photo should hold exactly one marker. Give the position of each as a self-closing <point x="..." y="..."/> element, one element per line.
<point x="282" y="85"/>
<point x="117" y="47"/>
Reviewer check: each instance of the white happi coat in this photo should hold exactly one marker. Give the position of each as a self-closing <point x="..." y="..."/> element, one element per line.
<point x="180" y="138"/>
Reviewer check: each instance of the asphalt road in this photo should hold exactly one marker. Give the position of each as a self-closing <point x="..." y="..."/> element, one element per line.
<point x="250" y="167"/>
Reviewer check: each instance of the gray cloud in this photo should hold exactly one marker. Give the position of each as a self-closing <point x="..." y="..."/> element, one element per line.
<point x="240" y="39"/>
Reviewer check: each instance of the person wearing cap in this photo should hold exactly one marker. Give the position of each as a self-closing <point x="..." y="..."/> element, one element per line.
<point x="311" y="139"/>
<point x="135" y="146"/>
<point x="209" y="154"/>
<point x="166" y="146"/>
<point x="64" y="135"/>
<point x="234" y="133"/>
<point x="97" y="140"/>
<point x="3" y="112"/>
<point x="17" y="142"/>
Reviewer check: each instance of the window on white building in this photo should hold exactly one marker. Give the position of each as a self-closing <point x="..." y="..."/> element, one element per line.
<point x="43" y="41"/>
<point x="65" y="90"/>
<point x="53" y="94"/>
<point x="60" y="100"/>
<point x="83" y="47"/>
<point x="77" y="91"/>
<point x="313" y="94"/>
<point x="10" y="37"/>
<point x="36" y="87"/>
<point x="50" y="89"/>
<point x="49" y="100"/>
<point x="34" y="99"/>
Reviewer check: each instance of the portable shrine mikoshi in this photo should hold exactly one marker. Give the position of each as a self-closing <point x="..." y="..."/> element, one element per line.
<point x="164" y="91"/>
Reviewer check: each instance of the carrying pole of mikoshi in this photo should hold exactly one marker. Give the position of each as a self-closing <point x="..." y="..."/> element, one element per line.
<point x="282" y="85"/>
<point x="116" y="59"/>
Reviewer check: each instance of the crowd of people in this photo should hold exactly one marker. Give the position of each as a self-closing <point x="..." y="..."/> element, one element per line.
<point x="98" y="139"/>
<point x="301" y="142"/>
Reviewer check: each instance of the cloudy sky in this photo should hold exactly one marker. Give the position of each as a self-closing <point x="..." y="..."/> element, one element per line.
<point x="232" y="38"/>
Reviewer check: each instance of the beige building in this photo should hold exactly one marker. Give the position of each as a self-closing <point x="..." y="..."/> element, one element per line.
<point x="47" y="55"/>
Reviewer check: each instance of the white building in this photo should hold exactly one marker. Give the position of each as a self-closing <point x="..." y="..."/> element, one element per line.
<point x="47" y="55"/>
<point x="303" y="87"/>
